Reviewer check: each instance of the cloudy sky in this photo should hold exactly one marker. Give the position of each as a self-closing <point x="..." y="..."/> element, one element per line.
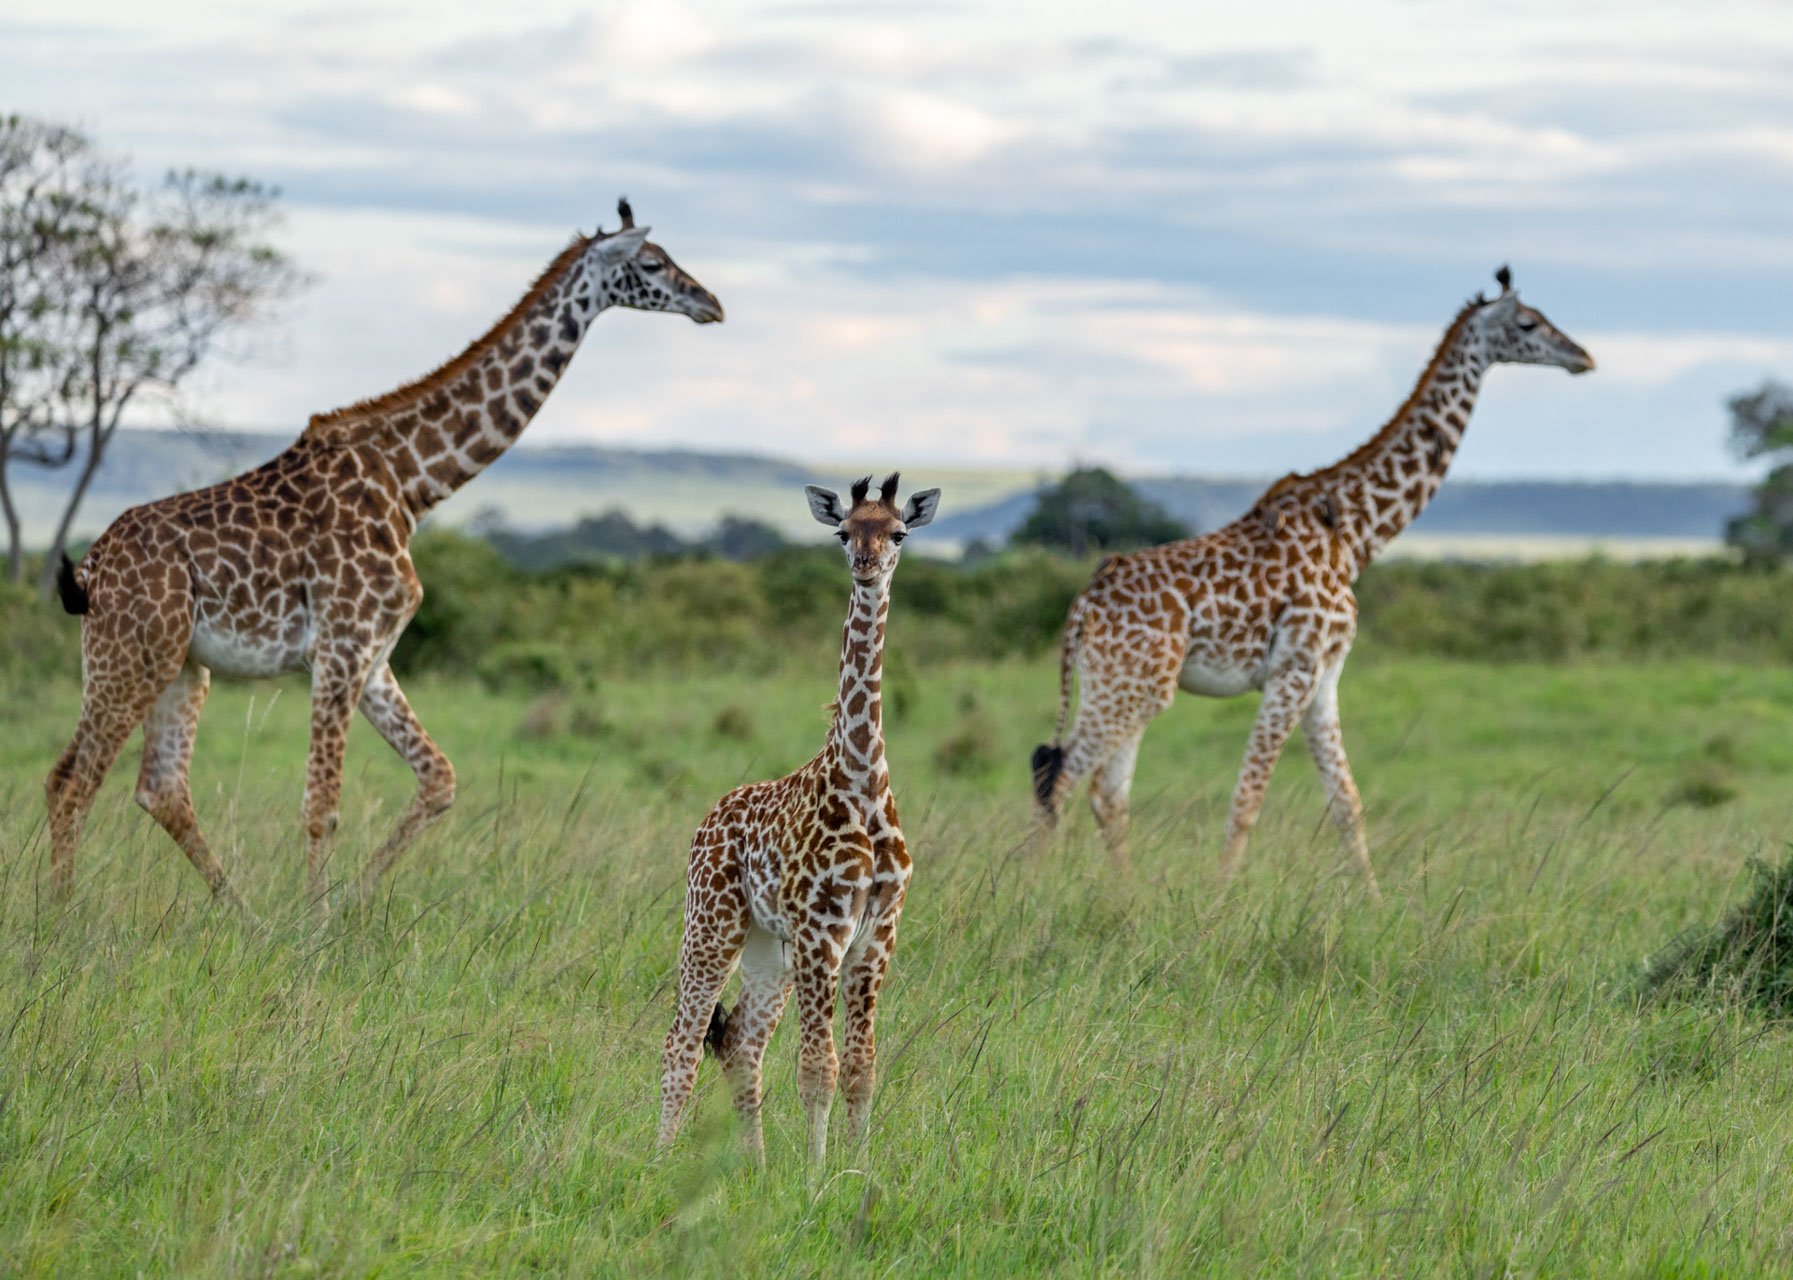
<point x="1218" y="239"/>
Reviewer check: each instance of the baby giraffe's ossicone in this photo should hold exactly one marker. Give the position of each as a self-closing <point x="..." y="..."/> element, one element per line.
<point x="799" y="882"/>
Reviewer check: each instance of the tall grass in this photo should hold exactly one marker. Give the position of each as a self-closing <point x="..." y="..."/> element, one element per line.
<point x="1081" y="1073"/>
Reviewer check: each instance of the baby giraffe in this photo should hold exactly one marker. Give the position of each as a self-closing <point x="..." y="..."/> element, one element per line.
<point x="800" y="881"/>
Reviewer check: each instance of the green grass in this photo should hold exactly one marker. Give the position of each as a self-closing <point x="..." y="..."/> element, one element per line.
<point x="1081" y="1073"/>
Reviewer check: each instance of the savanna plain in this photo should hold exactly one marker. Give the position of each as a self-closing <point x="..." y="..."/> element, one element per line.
<point x="1082" y="1071"/>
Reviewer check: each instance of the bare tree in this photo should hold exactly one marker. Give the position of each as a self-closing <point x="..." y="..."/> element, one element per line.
<point x="43" y="169"/>
<point x="111" y="295"/>
<point x="158" y="278"/>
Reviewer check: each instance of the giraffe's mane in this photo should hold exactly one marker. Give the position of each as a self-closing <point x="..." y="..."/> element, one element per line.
<point x="1363" y="451"/>
<point x="331" y="427"/>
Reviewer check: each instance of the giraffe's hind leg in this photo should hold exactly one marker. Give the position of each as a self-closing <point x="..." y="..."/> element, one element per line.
<point x="765" y="987"/>
<point x="128" y="656"/>
<point x="384" y="705"/>
<point x="110" y="710"/>
<point x="1110" y="783"/>
<point x="162" y="782"/>
<point x="716" y="921"/>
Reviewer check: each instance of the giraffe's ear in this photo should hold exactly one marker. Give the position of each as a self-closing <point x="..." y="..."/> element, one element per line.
<point x="824" y="505"/>
<point x="622" y="246"/>
<point x="921" y="508"/>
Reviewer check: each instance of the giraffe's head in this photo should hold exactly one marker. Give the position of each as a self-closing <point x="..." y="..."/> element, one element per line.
<point x="872" y="529"/>
<point x="1514" y="333"/>
<point x="635" y="272"/>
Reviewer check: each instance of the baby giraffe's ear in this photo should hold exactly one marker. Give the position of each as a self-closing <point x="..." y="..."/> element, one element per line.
<point x="921" y="508"/>
<point x="824" y="505"/>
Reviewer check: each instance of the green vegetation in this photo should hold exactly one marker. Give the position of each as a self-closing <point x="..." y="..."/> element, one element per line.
<point x="574" y="626"/>
<point x="1748" y="958"/>
<point x="1762" y="427"/>
<point x="1082" y="1072"/>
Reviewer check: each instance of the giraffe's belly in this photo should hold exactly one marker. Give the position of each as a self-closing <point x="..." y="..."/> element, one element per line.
<point x="268" y="645"/>
<point x="1218" y="675"/>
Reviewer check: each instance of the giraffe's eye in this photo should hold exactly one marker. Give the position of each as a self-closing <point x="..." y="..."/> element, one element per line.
<point x="844" y="537"/>
<point x="652" y="267"/>
<point x="1527" y="325"/>
<point x="898" y="538"/>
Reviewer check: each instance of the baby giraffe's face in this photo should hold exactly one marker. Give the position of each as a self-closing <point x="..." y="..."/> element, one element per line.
<point x="872" y="530"/>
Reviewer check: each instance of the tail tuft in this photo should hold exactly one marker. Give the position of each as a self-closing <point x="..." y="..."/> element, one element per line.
<point x="74" y="597"/>
<point x="1048" y="763"/>
<point x="718" y="1029"/>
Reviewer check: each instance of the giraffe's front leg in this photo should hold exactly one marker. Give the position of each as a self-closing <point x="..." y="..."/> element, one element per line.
<point x="384" y="705"/>
<point x="1326" y="743"/>
<point x="834" y="903"/>
<point x="337" y="677"/>
<point x="860" y="985"/>
<point x="1286" y="697"/>
<point x="868" y="960"/>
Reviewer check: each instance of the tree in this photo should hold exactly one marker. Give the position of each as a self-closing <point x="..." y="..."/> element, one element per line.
<point x="1093" y="510"/>
<point x="1762" y="426"/>
<point x="42" y="169"/>
<point x="127" y="290"/>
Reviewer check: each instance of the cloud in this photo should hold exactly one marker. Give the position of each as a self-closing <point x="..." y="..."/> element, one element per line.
<point x="984" y="238"/>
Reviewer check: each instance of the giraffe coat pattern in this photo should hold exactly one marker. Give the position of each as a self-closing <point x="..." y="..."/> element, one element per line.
<point x="303" y="564"/>
<point x="1267" y="603"/>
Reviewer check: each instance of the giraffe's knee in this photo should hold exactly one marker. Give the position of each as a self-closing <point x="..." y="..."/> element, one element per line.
<point x="436" y="791"/>
<point x="60" y="780"/>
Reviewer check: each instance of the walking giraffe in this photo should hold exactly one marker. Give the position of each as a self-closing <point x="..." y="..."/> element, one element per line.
<point x="800" y="880"/>
<point x="1266" y="602"/>
<point x="303" y="563"/>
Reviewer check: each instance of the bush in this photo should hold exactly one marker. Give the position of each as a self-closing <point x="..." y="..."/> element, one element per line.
<point x="1746" y="959"/>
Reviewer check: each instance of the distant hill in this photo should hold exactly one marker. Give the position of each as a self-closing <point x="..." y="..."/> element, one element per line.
<point x="539" y="487"/>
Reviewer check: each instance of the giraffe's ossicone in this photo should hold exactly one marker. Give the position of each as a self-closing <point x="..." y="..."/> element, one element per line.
<point x="799" y="882"/>
<point x="1266" y="602"/>
<point x="303" y="565"/>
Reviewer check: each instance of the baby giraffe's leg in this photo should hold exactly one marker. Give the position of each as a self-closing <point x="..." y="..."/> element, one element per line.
<point x="860" y="984"/>
<point x="821" y="946"/>
<point x="715" y="927"/>
<point x="765" y="986"/>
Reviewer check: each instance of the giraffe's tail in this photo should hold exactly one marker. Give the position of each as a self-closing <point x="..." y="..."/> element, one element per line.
<point x="1049" y="757"/>
<point x="74" y="595"/>
<point x="718" y="1029"/>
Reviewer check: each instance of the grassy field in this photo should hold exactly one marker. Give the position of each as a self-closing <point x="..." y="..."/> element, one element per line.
<point x="1081" y="1073"/>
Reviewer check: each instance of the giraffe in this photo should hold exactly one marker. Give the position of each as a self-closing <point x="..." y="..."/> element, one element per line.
<point x="800" y="880"/>
<point x="304" y="564"/>
<point x="1266" y="602"/>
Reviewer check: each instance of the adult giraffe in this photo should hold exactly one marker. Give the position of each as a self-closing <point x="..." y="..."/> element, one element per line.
<point x="303" y="563"/>
<point x="1266" y="602"/>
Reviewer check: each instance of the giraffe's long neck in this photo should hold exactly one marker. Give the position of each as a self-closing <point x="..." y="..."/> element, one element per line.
<point x="1380" y="489"/>
<point x="443" y="430"/>
<point x="857" y="740"/>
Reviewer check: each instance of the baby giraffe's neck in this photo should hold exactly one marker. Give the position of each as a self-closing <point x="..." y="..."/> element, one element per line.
<point x="856" y="742"/>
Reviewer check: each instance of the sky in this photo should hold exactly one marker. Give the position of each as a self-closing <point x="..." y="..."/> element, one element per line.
<point x="1193" y="238"/>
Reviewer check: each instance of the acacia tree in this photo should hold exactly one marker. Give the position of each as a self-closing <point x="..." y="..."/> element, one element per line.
<point x="1092" y="509"/>
<point x="1762" y="426"/>
<point x="43" y="167"/>
<point x="134" y="290"/>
